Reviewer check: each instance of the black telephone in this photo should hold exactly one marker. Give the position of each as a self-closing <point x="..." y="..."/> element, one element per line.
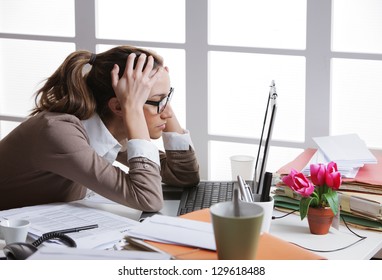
<point x="21" y="250"/>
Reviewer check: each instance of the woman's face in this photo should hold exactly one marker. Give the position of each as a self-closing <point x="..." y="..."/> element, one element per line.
<point x="156" y="122"/>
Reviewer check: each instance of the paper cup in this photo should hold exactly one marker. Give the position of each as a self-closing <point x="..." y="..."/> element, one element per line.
<point x="242" y="165"/>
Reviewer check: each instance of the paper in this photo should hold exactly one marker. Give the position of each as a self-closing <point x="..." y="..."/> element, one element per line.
<point x="349" y="152"/>
<point x="357" y="204"/>
<point x="347" y="148"/>
<point x="368" y="179"/>
<point x="346" y="170"/>
<point x="175" y="230"/>
<point x="58" y="216"/>
<point x="96" y="201"/>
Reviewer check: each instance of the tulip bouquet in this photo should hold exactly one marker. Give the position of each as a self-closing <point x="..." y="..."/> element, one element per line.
<point x="320" y="191"/>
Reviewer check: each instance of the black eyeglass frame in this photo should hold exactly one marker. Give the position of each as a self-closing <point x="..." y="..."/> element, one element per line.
<point x="161" y="104"/>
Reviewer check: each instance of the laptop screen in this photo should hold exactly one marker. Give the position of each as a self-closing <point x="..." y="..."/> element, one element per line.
<point x="265" y="138"/>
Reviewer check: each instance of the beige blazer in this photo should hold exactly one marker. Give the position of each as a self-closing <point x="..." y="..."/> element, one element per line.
<point x="48" y="159"/>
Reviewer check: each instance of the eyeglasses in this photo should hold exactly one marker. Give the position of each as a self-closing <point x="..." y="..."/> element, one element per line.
<point x="161" y="105"/>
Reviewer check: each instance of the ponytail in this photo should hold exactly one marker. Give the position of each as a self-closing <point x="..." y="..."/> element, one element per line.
<point x="66" y="90"/>
<point x="70" y="91"/>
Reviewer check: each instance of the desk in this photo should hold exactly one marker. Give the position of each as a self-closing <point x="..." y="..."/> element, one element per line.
<point x="292" y="229"/>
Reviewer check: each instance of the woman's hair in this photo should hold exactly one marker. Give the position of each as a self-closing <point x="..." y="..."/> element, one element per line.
<point x="71" y="91"/>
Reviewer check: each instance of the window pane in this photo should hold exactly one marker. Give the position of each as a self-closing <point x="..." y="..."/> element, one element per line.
<point x="175" y="60"/>
<point x="23" y="66"/>
<point x="258" y="23"/>
<point x="357" y="99"/>
<point x="357" y="26"/>
<point x="220" y="152"/>
<point x="37" y="17"/>
<point x="6" y="127"/>
<point x="239" y="88"/>
<point x="144" y="20"/>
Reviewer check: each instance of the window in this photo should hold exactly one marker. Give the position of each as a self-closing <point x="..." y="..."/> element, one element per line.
<point x="325" y="56"/>
<point x="37" y="17"/>
<point x="146" y="20"/>
<point x="356" y="68"/>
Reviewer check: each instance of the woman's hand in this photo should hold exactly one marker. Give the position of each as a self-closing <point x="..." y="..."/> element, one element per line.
<point x="133" y="88"/>
<point x="172" y="124"/>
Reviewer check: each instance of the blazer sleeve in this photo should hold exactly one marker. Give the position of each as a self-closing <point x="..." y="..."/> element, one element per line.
<point x="179" y="165"/>
<point x="179" y="168"/>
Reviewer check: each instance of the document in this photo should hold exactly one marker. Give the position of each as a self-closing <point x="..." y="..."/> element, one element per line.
<point x="347" y="171"/>
<point x="59" y="216"/>
<point x="175" y="230"/>
<point x="346" y="149"/>
<point x="96" y="201"/>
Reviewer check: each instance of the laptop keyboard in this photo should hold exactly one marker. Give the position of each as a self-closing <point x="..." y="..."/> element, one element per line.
<point x="204" y="195"/>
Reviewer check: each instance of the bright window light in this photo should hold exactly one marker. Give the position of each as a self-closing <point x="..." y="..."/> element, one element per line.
<point x="145" y="20"/>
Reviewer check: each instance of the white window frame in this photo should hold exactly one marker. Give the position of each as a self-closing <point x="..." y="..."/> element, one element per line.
<point x="318" y="55"/>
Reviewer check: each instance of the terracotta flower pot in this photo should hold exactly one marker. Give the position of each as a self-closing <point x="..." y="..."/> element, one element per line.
<point x="320" y="220"/>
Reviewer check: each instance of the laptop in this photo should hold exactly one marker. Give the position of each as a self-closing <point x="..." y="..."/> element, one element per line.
<point x="207" y="193"/>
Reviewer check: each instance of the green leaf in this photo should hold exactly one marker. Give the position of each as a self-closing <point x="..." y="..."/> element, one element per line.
<point x="332" y="199"/>
<point x="305" y="202"/>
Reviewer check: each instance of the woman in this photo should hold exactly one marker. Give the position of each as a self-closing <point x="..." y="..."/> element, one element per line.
<point x="83" y="122"/>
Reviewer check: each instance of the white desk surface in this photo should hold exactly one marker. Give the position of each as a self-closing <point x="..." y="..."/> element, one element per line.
<point x="292" y="229"/>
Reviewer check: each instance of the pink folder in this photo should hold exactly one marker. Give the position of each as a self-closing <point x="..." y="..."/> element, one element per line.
<point x="370" y="174"/>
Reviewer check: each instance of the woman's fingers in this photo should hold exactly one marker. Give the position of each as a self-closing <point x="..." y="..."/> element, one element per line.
<point x="140" y="63"/>
<point x="130" y="64"/>
<point x="149" y="66"/>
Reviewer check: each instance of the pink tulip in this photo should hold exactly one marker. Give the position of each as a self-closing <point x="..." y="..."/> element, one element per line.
<point x="299" y="183"/>
<point x="333" y="177"/>
<point x="289" y="179"/>
<point x="318" y="174"/>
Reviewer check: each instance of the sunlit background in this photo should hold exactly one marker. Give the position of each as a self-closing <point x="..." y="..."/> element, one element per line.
<point x="325" y="56"/>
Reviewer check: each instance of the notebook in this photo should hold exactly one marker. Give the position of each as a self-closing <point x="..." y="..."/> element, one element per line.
<point x="207" y="193"/>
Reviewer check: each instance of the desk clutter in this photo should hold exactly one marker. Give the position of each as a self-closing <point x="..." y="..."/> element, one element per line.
<point x="157" y="237"/>
<point x="360" y="196"/>
<point x="190" y="246"/>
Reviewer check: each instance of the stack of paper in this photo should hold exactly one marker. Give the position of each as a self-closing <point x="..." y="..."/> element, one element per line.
<point x="175" y="230"/>
<point x="360" y="196"/>
<point x="348" y="151"/>
<point x="360" y="210"/>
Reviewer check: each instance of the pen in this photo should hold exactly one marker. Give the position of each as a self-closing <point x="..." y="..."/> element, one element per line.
<point x="244" y="189"/>
<point x="249" y="192"/>
<point x="243" y="192"/>
<point x="266" y="187"/>
<point x="76" y="229"/>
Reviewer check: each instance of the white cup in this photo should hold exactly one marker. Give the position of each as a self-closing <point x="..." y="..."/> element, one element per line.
<point x="242" y="165"/>
<point x="268" y="211"/>
<point x="14" y="230"/>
